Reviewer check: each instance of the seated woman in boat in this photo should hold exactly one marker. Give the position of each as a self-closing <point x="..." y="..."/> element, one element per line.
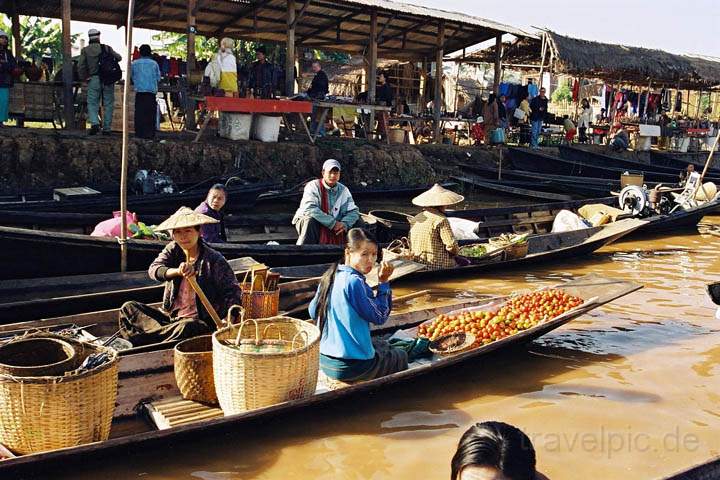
<point x="431" y="238"/>
<point x="181" y="314"/>
<point x="327" y="210"/>
<point x="212" y="206"/>
<point x="494" y="451"/>
<point x="345" y="306"/>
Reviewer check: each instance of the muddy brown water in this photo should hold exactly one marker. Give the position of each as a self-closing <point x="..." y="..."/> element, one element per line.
<point x="631" y="390"/>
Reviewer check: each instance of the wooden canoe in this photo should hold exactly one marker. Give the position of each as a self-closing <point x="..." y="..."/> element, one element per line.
<point x="240" y="197"/>
<point x="541" y="248"/>
<point x="148" y="376"/>
<point x="606" y="158"/>
<point x="35" y="253"/>
<point x="508" y="189"/>
<point x="582" y="186"/>
<point x="680" y="160"/>
<point x="537" y="161"/>
<point x="31" y="299"/>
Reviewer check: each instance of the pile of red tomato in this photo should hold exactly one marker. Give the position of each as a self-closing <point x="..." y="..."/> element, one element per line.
<point x="519" y="313"/>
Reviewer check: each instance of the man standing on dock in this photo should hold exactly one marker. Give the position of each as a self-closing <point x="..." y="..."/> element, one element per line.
<point x="538" y="107"/>
<point x="89" y="67"/>
<point x="145" y="78"/>
<point x="327" y="210"/>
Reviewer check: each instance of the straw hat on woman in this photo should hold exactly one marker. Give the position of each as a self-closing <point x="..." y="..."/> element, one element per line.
<point x="431" y="239"/>
<point x="181" y="315"/>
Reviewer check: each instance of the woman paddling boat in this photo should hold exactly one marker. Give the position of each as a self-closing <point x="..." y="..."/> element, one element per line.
<point x="345" y="306"/>
<point x="181" y="315"/>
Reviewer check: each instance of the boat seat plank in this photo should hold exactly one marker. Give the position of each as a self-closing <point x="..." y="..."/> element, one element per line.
<point x="176" y="411"/>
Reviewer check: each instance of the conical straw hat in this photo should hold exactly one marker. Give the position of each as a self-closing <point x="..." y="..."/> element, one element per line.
<point x="183" y="218"/>
<point x="437" y="196"/>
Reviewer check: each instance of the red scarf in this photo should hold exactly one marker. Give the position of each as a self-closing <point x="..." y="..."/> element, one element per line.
<point x="327" y="236"/>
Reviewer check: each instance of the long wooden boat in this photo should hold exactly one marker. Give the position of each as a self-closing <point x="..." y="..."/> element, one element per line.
<point x="606" y="159"/>
<point x="240" y="197"/>
<point x="709" y="470"/>
<point x="31" y="299"/>
<point x="538" y="161"/>
<point x="35" y="253"/>
<point x="582" y="186"/>
<point x="147" y="377"/>
<point x="509" y="189"/>
<point x="680" y="160"/>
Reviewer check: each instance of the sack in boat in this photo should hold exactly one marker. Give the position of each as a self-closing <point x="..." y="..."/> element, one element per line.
<point x="253" y="369"/>
<point x="398" y="249"/>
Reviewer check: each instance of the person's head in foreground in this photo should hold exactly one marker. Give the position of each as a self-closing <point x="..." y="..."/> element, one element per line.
<point x="316" y="67"/>
<point x="331" y="172"/>
<point x="494" y="451"/>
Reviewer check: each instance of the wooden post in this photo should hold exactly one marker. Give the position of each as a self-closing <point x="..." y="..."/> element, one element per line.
<point x="457" y="82"/>
<point x="190" y="54"/>
<point x="191" y="4"/>
<point x="17" y="41"/>
<point x="644" y="112"/>
<point x="577" y="104"/>
<point x="372" y="66"/>
<point x="498" y="64"/>
<point x="290" y="49"/>
<point x="543" y="51"/>
<point x="439" y="54"/>
<point x="68" y="102"/>
<point x="125" y="138"/>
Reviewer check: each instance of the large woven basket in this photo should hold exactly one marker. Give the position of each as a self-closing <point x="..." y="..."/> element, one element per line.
<point x="194" y="369"/>
<point x="37" y="357"/>
<point x="259" y="304"/>
<point x="277" y="360"/>
<point x="46" y="413"/>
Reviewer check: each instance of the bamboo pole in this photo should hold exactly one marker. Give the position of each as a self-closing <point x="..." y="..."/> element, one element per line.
<point x="290" y="49"/>
<point x="125" y="138"/>
<point x="203" y="298"/>
<point x="457" y="84"/>
<point x="437" y="104"/>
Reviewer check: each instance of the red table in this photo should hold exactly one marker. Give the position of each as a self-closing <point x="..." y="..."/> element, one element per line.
<point x="254" y="105"/>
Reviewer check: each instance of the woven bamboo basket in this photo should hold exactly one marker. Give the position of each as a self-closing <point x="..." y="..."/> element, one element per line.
<point x="194" y="369"/>
<point x="38" y="414"/>
<point x="259" y="304"/>
<point x="517" y="250"/>
<point x="37" y="357"/>
<point x="265" y="361"/>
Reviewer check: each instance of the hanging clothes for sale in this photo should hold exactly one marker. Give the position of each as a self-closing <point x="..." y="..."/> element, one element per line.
<point x="576" y="91"/>
<point x="136" y="53"/>
<point x="678" y="101"/>
<point x="174" y="68"/>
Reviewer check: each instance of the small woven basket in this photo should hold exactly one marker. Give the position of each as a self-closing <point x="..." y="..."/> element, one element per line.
<point x="38" y="414"/>
<point x="258" y="303"/>
<point x="253" y="370"/>
<point x="462" y="341"/>
<point x="517" y="250"/>
<point x="194" y="369"/>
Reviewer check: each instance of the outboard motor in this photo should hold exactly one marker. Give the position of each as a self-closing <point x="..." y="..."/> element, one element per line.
<point x="147" y="183"/>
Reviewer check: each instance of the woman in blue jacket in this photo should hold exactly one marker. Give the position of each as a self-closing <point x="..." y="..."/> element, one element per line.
<point x="345" y="306"/>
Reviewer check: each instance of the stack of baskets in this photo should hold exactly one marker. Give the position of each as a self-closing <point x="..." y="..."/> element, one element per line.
<point x="48" y="400"/>
<point x="265" y="361"/>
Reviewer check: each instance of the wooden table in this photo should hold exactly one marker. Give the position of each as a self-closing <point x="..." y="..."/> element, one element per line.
<point x="325" y="107"/>
<point x="254" y="105"/>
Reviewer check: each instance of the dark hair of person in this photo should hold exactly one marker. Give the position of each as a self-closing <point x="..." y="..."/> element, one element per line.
<point x="495" y="444"/>
<point x="491" y="98"/>
<point x="218" y="186"/>
<point x="145" y="50"/>
<point x="585" y="102"/>
<point x="316" y="61"/>
<point x="356" y="238"/>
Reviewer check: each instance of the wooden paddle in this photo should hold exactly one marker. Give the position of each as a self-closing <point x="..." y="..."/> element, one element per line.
<point x="203" y="299"/>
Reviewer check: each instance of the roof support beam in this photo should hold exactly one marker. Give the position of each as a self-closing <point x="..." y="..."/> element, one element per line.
<point x="498" y="64"/>
<point x="439" y="54"/>
<point x="301" y="13"/>
<point x="325" y="27"/>
<point x="251" y="10"/>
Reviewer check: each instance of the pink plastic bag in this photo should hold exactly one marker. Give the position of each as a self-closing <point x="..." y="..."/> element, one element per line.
<point x="111" y="227"/>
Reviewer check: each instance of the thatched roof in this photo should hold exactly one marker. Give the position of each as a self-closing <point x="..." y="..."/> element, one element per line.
<point x="609" y="62"/>
<point x="405" y="31"/>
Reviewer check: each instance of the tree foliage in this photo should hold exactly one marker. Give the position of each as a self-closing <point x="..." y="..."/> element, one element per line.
<point x="40" y="37"/>
<point x="562" y="94"/>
